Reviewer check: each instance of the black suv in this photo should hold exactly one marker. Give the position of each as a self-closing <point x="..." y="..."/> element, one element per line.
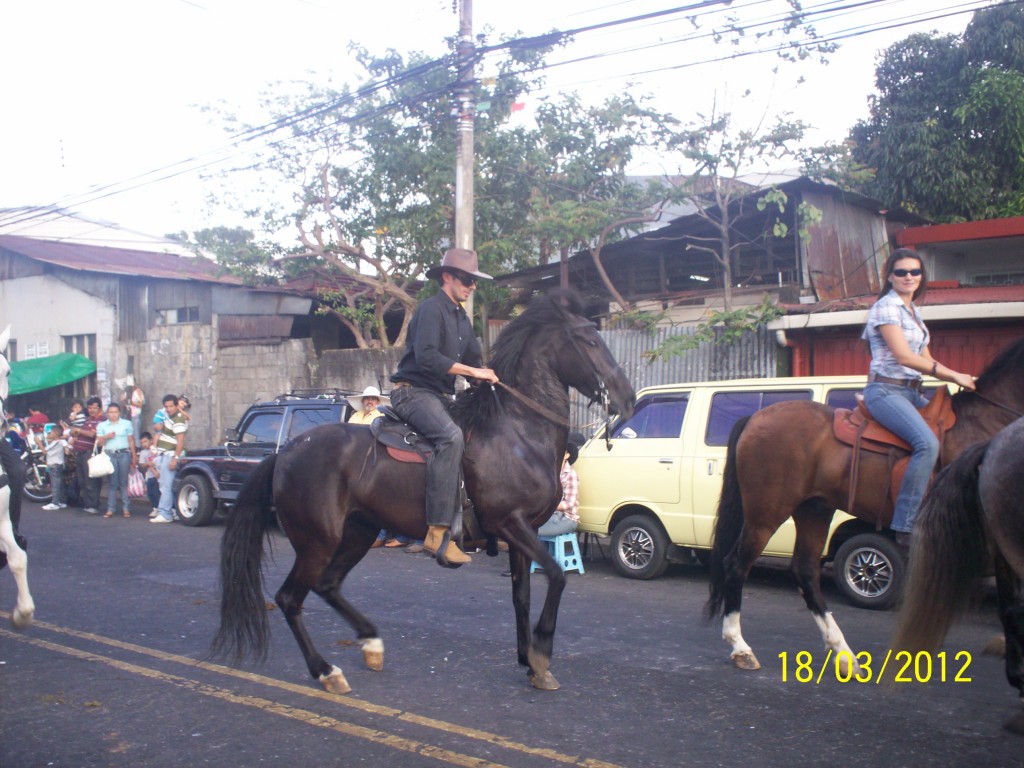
<point x="209" y="479"/>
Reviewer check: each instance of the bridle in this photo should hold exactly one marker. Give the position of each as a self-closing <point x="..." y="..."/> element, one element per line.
<point x="600" y="394"/>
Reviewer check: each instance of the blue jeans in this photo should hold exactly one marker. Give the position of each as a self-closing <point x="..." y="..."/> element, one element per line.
<point x="895" y="408"/>
<point x="428" y="414"/>
<point x="162" y="462"/>
<point x="153" y="491"/>
<point x="56" y="473"/>
<point x="557" y="525"/>
<point x="122" y="461"/>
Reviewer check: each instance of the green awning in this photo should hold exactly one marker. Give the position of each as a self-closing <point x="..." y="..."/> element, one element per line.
<point x="45" y="372"/>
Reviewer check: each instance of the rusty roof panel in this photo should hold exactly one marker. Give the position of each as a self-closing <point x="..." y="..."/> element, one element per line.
<point x="117" y="261"/>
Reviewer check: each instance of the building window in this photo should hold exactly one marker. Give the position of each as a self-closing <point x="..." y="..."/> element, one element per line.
<point x="84" y="345"/>
<point x="177" y="316"/>
<point x="998" y="278"/>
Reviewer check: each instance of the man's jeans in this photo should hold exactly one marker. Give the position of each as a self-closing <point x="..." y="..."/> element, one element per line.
<point x="428" y="414"/>
<point x="88" y="487"/>
<point x="162" y="462"/>
<point x="895" y="408"/>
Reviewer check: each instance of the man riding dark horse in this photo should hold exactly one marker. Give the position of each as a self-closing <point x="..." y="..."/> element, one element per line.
<point x="441" y="345"/>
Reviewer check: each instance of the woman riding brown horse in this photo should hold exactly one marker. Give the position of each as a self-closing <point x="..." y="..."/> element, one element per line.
<point x="334" y="488"/>
<point x="784" y="461"/>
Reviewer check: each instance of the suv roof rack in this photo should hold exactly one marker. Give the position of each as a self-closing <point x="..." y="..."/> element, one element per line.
<point x="316" y="394"/>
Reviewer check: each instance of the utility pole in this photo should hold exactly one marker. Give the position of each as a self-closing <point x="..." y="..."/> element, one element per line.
<point x="466" y="105"/>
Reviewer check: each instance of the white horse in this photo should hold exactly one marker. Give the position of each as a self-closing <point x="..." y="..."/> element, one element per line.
<point x="17" y="560"/>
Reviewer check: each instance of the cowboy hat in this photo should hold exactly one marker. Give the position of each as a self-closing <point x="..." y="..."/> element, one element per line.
<point x="356" y="401"/>
<point x="461" y="259"/>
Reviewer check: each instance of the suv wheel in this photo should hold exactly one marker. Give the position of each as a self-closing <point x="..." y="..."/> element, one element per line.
<point x="869" y="570"/>
<point x="639" y="548"/>
<point x="195" y="500"/>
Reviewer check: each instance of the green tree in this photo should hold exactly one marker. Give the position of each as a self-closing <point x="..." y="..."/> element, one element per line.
<point x="945" y="133"/>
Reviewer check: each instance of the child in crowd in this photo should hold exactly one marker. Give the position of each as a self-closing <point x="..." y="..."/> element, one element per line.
<point x="149" y="471"/>
<point x="77" y="416"/>
<point x="55" y="446"/>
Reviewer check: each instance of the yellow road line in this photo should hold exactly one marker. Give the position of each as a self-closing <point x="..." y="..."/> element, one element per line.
<point x="306" y="690"/>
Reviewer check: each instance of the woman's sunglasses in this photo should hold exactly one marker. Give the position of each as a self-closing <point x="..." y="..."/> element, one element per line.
<point x="905" y="272"/>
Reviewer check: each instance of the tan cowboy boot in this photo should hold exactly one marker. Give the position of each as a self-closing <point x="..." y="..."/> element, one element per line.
<point x="453" y="556"/>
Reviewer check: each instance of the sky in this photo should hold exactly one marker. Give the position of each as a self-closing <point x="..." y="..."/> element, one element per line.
<point x="103" y="102"/>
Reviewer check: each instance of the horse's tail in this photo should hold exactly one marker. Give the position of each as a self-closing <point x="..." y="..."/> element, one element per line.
<point x="948" y="552"/>
<point x="728" y="525"/>
<point x="244" y="629"/>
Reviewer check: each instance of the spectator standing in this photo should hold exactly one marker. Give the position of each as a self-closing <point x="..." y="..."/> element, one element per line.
<point x="116" y="438"/>
<point x="55" y="447"/>
<point x="83" y="443"/>
<point x="134" y="400"/>
<point x="149" y="472"/>
<point x="170" y="445"/>
<point x="36" y="421"/>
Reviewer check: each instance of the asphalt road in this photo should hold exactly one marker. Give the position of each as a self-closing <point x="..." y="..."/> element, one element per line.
<point x="112" y="673"/>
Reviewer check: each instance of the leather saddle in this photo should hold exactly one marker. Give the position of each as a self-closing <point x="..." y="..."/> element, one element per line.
<point x="402" y="442"/>
<point x="858" y="429"/>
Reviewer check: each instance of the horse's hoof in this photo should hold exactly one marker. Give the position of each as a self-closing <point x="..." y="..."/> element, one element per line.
<point x="335" y="682"/>
<point x="544" y="681"/>
<point x="746" y="660"/>
<point x="996" y="647"/>
<point x="21" y="619"/>
<point x="373" y="654"/>
<point x="1015" y="724"/>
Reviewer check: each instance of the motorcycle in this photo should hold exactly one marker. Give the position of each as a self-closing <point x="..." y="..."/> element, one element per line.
<point x="37" y="476"/>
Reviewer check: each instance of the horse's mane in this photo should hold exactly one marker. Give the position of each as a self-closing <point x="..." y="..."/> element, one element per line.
<point x="477" y="409"/>
<point x="1009" y="361"/>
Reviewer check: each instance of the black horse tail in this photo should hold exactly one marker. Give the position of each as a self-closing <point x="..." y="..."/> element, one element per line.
<point x="948" y="553"/>
<point x="728" y="524"/>
<point x="244" y="629"/>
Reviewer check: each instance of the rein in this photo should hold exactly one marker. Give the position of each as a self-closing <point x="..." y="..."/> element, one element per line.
<point x="990" y="401"/>
<point x="533" y="405"/>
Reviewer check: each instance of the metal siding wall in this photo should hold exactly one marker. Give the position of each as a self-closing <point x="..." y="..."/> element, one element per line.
<point x="755" y="355"/>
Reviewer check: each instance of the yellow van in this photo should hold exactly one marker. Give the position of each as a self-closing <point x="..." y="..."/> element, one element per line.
<point x="653" y="485"/>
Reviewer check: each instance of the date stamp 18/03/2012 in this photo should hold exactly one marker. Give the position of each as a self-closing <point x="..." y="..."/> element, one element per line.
<point x="901" y="666"/>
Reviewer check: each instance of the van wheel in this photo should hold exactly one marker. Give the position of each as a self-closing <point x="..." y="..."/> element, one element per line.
<point x="869" y="570"/>
<point x="639" y="548"/>
<point x="195" y="500"/>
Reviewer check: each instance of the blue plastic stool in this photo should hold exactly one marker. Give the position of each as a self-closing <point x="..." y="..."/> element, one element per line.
<point x="566" y="551"/>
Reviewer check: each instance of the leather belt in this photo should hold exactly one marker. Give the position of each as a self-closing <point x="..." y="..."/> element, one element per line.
<point x="908" y="383"/>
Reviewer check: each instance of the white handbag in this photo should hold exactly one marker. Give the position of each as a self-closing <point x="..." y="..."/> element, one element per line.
<point x="100" y="465"/>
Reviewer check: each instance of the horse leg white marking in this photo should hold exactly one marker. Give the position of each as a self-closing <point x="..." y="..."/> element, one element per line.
<point x="742" y="655"/>
<point x="17" y="561"/>
<point x="335" y="682"/>
<point x="832" y="635"/>
<point x="373" y="653"/>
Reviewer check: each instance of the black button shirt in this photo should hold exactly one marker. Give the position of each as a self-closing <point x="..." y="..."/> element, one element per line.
<point x="440" y="335"/>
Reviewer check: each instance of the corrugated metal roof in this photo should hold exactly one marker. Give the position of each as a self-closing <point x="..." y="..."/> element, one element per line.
<point x="117" y="261"/>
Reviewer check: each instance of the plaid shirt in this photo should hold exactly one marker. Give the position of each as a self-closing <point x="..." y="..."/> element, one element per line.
<point x="570" y="503"/>
<point x="890" y="310"/>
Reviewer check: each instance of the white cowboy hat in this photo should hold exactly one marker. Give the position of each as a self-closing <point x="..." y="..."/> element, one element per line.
<point x="356" y="401"/>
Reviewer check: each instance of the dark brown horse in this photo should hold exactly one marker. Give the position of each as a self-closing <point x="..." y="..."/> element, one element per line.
<point x="334" y="489"/>
<point x="784" y="461"/>
<point x="972" y="517"/>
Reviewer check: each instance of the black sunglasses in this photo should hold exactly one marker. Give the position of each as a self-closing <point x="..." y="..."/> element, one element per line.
<point x="905" y="272"/>
<point x="467" y="280"/>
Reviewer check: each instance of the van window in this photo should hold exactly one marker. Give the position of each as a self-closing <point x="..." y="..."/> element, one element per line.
<point x="843" y="398"/>
<point x="729" y="407"/>
<point x="655" y="416"/>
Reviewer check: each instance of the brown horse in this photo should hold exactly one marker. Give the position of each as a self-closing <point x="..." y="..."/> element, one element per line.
<point x="972" y="517"/>
<point x="334" y="488"/>
<point x="784" y="461"/>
